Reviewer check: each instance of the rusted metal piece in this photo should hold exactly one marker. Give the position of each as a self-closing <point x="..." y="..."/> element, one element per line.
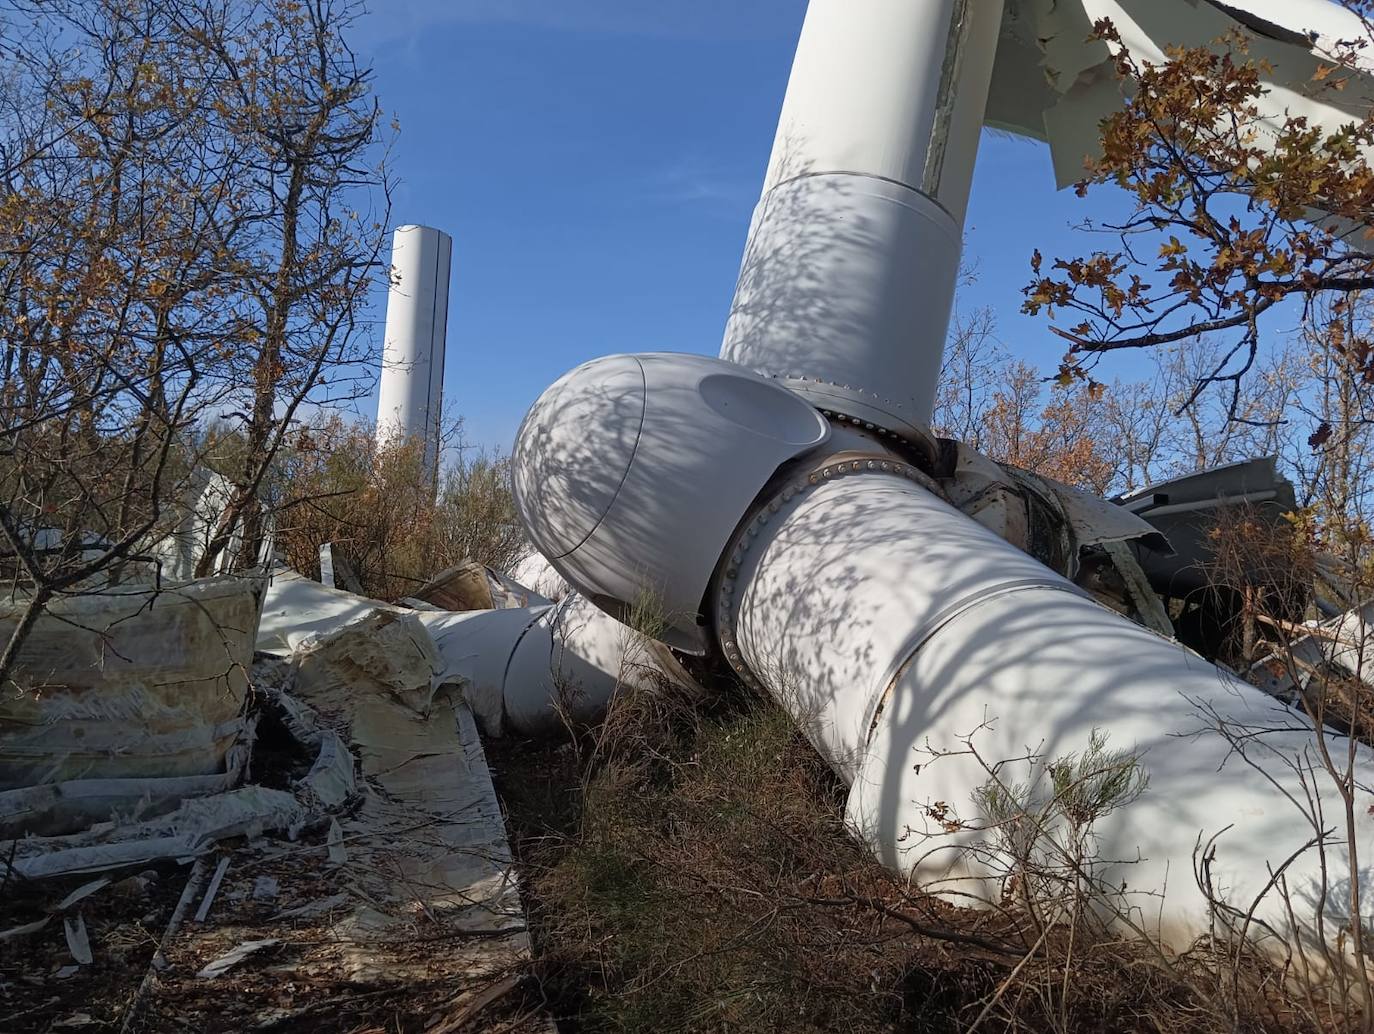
<point x="474" y="586"/>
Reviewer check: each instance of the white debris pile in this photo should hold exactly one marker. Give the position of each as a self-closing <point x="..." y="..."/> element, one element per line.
<point x="1318" y="656"/>
<point x="369" y="826"/>
<point x="414" y="850"/>
<point x="193" y="828"/>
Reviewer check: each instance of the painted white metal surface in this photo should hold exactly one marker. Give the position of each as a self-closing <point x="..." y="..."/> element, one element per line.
<point x="1053" y="82"/>
<point x="897" y="632"/>
<point x="849" y="270"/>
<point x="844" y="296"/>
<point x="410" y="393"/>
<point x="837" y="591"/>
<point x="535" y="572"/>
<point x="297" y="609"/>
<point x="570" y="664"/>
<point x="532" y="670"/>
<point x="475" y="648"/>
<point x="893" y="627"/>
<point x="850" y="265"/>
<point x="888" y="89"/>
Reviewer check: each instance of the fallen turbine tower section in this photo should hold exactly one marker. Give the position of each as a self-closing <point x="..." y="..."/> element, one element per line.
<point x="922" y="655"/>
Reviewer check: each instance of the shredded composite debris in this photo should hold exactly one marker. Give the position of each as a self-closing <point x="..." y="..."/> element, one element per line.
<point x="363" y="869"/>
<point x="137" y="703"/>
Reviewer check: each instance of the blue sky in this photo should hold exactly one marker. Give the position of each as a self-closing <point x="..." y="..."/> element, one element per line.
<point x="596" y="162"/>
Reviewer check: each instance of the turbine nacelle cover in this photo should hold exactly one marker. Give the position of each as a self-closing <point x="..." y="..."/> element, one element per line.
<point x="632" y="471"/>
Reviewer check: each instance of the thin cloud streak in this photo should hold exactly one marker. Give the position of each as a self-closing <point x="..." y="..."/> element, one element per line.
<point x="403" y="21"/>
<point x="693" y="181"/>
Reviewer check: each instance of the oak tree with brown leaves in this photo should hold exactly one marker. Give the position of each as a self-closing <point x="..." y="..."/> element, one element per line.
<point x="192" y="205"/>
<point x="1236" y="212"/>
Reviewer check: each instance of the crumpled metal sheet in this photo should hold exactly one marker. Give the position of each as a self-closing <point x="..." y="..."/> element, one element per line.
<point x="96" y="825"/>
<point x="1340" y="647"/>
<point x="49" y="809"/>
<point x="1051" y="521"/>
<point x="1072" y="532"/>
<point x="383" y="651"/>
<point x="429" y="823"/>
<point x="1186" y="509"/>
<point x="296" y="609"/>
<point x="1091" y="520"/>
<point x="190" y="830"/>
<point x="331" y="779"/>
<point x="428" y="839"/>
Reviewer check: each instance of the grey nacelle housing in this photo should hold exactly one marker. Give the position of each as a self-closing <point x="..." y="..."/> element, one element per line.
<point x="632" y="471"/>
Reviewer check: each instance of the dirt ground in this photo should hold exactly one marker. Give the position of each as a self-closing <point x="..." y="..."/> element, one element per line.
<point x="321" y="969"/>
<point x="295" y="985"/>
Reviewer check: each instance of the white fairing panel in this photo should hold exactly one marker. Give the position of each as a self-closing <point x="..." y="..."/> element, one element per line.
<point x="574" y="449"/>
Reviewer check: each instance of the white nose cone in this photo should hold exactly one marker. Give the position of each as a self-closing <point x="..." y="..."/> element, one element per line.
<point x="574" y="449"/>
<point x="631" y="472"/>
<point x="410" y="397"/>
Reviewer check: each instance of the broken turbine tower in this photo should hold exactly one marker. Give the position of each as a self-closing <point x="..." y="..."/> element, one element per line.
<point x="411" y="389"/>
<point x="789" y="505"/>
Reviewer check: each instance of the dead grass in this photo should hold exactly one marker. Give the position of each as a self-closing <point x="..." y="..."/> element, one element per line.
<point x="692" y="873"/>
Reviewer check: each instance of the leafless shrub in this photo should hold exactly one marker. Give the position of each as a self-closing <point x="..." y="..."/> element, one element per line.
<point x="1277" y="576"/>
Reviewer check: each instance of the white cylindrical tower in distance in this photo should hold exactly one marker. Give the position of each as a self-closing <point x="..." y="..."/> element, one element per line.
<point x="410" y="395"/>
